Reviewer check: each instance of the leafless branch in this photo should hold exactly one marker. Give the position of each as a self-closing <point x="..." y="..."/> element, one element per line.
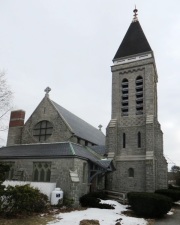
<point x="5" y="99"/>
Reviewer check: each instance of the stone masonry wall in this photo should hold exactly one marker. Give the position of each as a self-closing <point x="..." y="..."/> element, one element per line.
<point x="119" y="180"/>
<point x="46" y="111"/>
<point x="149" y="172"/>
<point x="60" y="174"/>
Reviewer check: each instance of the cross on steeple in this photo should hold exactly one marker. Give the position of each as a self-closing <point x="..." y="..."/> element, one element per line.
<point x="100" y="126"/>
<point x="47" y="90"/>
<point x="135" y="15"/>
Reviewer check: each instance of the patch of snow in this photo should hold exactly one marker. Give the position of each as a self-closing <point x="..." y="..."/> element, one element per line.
<point x="170" y="213"/>
<point x="178" y="203"/>
<point x="105" y="216"/>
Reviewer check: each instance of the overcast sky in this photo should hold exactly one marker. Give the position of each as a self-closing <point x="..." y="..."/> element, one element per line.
<point x="69" y="45"/>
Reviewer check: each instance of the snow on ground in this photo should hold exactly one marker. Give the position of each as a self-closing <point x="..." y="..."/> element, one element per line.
<point x="105" y="216"/>
<point x="178" y="203"/>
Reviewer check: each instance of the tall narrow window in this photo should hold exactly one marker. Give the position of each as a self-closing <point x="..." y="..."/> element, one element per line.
<point x="9" y="175"/>
<point x="124" y="140"/>
<point x="84" y="172"/>
<point x="139" y="95"/>
<point x="131" y="172"/>
<point x="139" y="139"/>
<point x="42" y="173"/>
<point x="36" y="175"/>
<point x="125" y="97"/>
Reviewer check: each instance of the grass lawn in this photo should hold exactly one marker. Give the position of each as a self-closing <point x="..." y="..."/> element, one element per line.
<point x="33" y="220"/>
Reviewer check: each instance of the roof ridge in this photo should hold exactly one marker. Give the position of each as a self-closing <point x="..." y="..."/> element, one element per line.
<point x="52" y="102"/>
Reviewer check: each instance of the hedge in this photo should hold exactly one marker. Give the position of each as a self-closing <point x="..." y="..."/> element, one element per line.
<point x="171" y="193"/>
<point x="92" y="200"/>
<point x="149" y="204"/>
<point x="22" y="200"/>
<point x="173" y="187"/>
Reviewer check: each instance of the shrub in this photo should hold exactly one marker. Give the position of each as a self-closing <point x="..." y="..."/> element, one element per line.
<point x="173" y="187"/>
<point x="89" y="200"/>
<point x="23" y="200"/>
<point x="68" y="202"/>
<point x="171" y="193"/>
<point x="98" y="194"/>
<point x="149" y="204"/>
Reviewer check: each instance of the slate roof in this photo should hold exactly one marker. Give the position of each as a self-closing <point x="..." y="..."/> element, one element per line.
<point x="49" y="151"/>
<point x="79" y="127"/>
<point x="99" y="149"/>
<point x="134" y="42"/>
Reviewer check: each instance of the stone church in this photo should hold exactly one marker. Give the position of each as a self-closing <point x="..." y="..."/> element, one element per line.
<point x="54" y="145"/>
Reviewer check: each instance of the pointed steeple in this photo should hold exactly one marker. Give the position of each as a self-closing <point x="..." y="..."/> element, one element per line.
<point x="134" y="42"/>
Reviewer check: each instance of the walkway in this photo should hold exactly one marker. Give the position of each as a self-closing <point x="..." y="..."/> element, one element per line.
<point x="170" y="219"/>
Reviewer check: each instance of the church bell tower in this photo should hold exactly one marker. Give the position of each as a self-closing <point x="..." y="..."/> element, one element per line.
<point x="134" y="136"/>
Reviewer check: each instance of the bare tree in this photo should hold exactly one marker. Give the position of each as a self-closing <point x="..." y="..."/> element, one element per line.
<point x="176" y="173"/>
<point x="5" y="100"/>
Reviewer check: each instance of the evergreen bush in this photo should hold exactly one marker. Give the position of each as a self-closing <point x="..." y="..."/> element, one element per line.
<point x="23" y="200"/>
<point x="174" y="194"/>
<point x="98" y="194"/>
<point x="173" y="187"/>
<point x="92" y="200"/>
<point x="149" y="204"/>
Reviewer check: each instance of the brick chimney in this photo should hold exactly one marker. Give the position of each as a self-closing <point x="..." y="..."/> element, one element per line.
<point x="16" y="124"/>
<point x="17" y="118"/>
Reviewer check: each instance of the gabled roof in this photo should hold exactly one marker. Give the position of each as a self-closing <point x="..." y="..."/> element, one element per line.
<point x="99" y="149"/>
<point x="51" y="150"/>
<point x="134" y="42"/>
<point x="79" y="127"/>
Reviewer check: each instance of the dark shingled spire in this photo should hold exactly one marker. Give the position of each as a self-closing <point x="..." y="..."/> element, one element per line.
<point x="134" y="42"/>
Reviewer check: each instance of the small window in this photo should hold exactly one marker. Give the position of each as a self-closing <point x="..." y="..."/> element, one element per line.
<point x="131" y="172"/>
<point x="139" y="139"/>
<point x="124" y="140"/>
<point x="43" y="130"/>
<point x="78" y="140"/>
<point x="9" y="175"/>
<point x="84" y="172"/>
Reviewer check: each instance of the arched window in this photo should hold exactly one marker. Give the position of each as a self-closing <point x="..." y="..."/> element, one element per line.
<point x="42" y="175"/>
<point x="139" y="95"/>
<point x="139" y="139"/>
<point x="131" y="172"/>
<point x="42" y="130"/>
<point x="42" y="171"/>
<point x="35" y="175"/>
<point x="124" y="140"/>
<point x="125" y="97"/>
<point x="48" y="175"/>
